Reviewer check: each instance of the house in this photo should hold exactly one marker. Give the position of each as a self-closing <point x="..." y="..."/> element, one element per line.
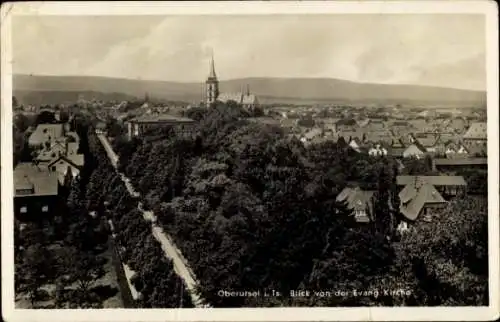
<point x="419" y="199"/>
<point x="455" y="150"/>
<point x="477" y="131"/>
<point x="355" y="144"/>
<point x="45" y="133"/>
<point x="310" y="135"/>
<point x="345" y="125"/>
<point x="359" y="201"/>
<point x="427" y="141"/>
<point x="36" y="192"/>
<point x="330" y="124"/>
<point x="384" y="136"/>
<point x="446" y="185"/>
<point x="100" y="127"/>
<point x="418" y="125"/>
<point x="350" y="135"/>
<point x="363" y="123"/>
<point x="398" y="127"/>
<point x="181" y="125"/>
<point x="414" y="150"/>
<point x="377" y="150"/>
<point x="396" y="152"/>
<point x="64" y="164"/>
<point x="375" y="125"/>
<point x="51" y="151"/>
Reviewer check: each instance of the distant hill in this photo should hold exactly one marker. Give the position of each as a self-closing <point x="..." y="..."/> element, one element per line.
<point x="35" y="97"/>
<point x="269" y="90"/>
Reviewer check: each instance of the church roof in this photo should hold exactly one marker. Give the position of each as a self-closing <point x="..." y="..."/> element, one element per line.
<point x="249" y="99"/>
<point x="225" y="97"/>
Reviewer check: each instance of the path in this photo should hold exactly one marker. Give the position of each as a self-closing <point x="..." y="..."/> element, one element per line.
<point x="181" y="266"/>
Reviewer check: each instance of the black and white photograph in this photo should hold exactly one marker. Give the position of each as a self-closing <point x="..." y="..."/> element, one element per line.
<point x="338" y="158"/>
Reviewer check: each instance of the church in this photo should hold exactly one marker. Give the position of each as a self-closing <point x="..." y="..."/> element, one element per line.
<point x="243" y="98"/>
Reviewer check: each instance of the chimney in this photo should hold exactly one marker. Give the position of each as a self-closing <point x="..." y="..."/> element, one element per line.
<point x="248" y="89"/>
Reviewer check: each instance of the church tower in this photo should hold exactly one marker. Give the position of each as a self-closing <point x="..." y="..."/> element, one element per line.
<point x="212" y="85"/>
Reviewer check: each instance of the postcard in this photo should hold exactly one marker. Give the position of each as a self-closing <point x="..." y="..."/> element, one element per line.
<point x="250" y="161"/>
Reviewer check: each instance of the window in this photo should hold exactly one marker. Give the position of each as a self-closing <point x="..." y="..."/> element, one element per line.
<point x="24" y="210"/>
<point x="45" y="208"/>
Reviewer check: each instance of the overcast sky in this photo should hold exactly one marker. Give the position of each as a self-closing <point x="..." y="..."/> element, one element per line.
<point x="443" y="50"/>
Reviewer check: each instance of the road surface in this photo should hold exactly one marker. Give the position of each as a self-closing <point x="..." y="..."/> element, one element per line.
<point x="180" y="264"/>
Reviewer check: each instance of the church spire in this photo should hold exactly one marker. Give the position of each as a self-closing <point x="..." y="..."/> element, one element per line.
<point x="212" y="84"/>
<point x="212" y="68"/>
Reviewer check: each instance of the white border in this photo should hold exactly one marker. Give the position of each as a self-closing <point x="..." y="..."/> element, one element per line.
<point x="488" y="8"/>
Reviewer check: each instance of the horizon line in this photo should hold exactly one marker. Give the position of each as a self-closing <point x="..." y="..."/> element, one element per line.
<point x="255" y="77"/>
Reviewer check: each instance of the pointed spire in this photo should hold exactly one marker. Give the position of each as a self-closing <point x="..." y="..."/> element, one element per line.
<point x="212" y="67"/>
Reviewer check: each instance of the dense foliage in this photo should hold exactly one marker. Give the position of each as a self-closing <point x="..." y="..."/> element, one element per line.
<point x="253" y="210"/>
<point x="155" y="278"/>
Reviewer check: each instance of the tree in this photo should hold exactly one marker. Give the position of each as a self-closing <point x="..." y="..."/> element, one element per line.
<point x="34" y="270"/>
<point x="75" y="196"/>
<point x="21" y="122"/>
<point x="45" y="117"/>
<point x="82" y="268"/>
<point x="449" y="255"/>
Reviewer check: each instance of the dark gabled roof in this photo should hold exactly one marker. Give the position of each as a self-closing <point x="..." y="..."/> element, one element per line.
<point x="350" y="121"/>
<point x="427" y="141"/>
<point x="356" y="198"/>
<point x="433" y="180"/>
<point x="461" y="161"/>
<point x="348" y="135"/>
<point x="477" y="131"/>
<point x="414" y="197"/>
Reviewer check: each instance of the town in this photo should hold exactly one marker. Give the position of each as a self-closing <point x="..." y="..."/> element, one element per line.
<point x="144" y="203"/>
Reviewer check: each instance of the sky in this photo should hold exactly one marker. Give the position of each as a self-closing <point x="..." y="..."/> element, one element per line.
<point x="445" y="50"/>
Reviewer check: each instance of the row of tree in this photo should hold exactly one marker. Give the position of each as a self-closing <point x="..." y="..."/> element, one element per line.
<point x="155" y="278"/>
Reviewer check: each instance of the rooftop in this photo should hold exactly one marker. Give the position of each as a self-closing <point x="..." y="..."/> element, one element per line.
<point x="161" y="118"/>
<point x="414" y="197"/>
<point x="39" y="179"/>
<point x="477" y="131"/>
<point x="461" y="161"/>
<point x="356" y="198"/>
<point x="433" y="180"/>
<point x="46" y="132"/>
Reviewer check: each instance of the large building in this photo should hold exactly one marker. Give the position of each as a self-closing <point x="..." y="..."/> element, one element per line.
<point x="36" y="191"/>
<point x="212" y="94"/>
<point x="181" y="125"/>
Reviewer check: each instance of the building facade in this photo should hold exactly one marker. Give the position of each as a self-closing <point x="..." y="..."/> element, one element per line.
<point x="36" y="192"/>
<point x="138" y="126"/>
